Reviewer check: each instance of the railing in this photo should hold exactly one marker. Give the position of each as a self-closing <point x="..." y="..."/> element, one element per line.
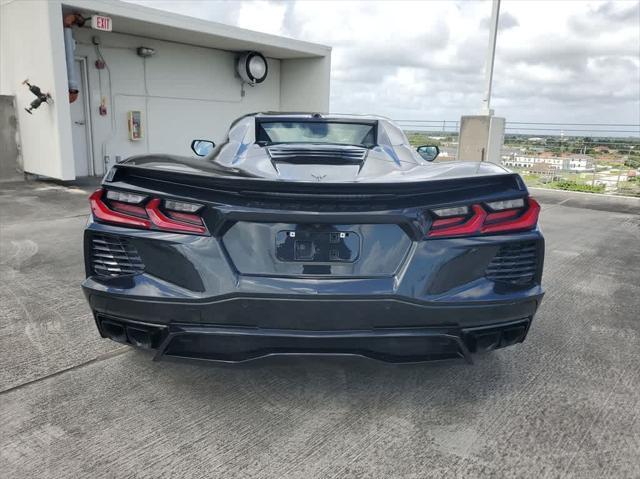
<point x="595" y="157"/>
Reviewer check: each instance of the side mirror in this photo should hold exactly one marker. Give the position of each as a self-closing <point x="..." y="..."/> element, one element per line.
<point x="202" y="147"/>
<point x="428" y="152"/>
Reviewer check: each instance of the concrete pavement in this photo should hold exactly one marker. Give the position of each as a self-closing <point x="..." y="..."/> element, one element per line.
<point x="563" y="404"/>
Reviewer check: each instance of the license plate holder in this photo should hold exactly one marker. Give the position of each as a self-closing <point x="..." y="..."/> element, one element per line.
<point x="311" y="246"/>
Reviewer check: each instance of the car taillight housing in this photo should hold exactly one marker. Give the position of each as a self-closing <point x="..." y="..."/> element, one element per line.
<point x="488" y="218"/>
<point x="141" y="211"/>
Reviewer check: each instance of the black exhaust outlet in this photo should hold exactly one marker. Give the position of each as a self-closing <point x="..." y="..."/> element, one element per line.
<point x="488" y="338"/>
<point x="114" y="331"/>
<point x="140" y="337"/>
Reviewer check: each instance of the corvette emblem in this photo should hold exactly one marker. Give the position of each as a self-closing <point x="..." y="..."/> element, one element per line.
<point x="318" y="177"/>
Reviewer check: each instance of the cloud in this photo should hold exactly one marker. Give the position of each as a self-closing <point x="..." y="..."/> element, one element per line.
<point x="505" y="21"/>
<point x="555" y="61"/>
<point x="607" y="15"/>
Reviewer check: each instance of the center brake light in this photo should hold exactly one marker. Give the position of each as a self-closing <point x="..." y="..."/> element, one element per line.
<point x="481" y="220"/>
<point x="149" y="216"/>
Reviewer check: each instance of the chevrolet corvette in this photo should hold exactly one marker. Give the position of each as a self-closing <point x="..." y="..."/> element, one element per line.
<point x="313" y="234"/>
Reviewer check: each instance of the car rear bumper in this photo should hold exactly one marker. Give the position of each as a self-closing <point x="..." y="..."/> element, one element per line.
<point x="238" y="344"/>
<point x="239" y="329"/>
<point x="188" y="297"/>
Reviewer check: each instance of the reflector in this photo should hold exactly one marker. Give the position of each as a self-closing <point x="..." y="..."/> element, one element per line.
<point x="125" y="196"/>
<point x="506" y="204"/>
<point x="455" y="211"/>
<point x="182" y="206"/>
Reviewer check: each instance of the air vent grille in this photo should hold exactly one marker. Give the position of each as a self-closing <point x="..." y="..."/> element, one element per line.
<point x="318" y="155"/>
<point x="114" y="256"/>
<point x="515" y="263"/>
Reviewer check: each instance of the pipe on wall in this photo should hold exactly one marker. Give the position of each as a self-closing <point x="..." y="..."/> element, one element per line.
<point x="69" y="52"/>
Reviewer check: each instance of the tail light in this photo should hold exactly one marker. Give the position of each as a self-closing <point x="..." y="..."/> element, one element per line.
<point x="494" y="217"/>
<point x="139" y="211"/>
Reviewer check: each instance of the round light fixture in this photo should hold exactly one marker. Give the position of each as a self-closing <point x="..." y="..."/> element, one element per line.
<point x="252" y="67"/>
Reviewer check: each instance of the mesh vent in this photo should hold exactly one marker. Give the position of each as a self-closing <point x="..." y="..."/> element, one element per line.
<point x="318" y="154"/>
<point x="515" y="263"/>
<point x="114" y="256"/>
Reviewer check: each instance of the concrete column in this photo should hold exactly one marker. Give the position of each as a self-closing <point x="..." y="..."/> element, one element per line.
<point x="481" y="138"/>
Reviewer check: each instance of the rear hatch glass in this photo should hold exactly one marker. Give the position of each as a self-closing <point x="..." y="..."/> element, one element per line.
<point x="327" y="132"/>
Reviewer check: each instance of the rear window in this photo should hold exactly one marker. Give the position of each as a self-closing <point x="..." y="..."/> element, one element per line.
<point x="337" y="133"/>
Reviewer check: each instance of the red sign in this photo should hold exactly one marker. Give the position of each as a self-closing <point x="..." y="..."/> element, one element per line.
<point x="99" y="22"/>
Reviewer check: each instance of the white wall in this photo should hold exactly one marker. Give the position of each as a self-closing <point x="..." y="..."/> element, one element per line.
<point x="190" y="92"/>
<point x="32" y="46"/>
<point x="305" y="84"/>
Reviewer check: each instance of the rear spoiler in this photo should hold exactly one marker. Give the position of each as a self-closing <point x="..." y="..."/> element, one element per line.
<point x="223" y="188"/>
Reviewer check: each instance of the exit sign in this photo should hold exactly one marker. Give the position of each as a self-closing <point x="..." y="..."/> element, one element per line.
<point x="98" y="22"/>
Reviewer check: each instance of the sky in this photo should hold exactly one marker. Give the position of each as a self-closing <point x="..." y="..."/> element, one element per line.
<point x="556" y="61"/>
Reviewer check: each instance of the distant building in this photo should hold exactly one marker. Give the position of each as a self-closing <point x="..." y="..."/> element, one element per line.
<point x="572" y="163"/>
<point x="527" y="162"/>
<point x="542" y="169"/>
<point x="578" y="163"/>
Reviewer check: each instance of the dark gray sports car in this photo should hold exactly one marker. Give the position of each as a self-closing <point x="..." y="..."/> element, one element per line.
<point x="313" y="234"/>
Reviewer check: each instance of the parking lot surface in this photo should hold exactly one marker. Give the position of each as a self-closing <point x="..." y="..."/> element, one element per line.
<point x="563" y="404"/>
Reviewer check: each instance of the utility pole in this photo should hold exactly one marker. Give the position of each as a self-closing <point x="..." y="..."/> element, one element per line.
<point x="481" y="137"/>
<point x="491" y="55"/>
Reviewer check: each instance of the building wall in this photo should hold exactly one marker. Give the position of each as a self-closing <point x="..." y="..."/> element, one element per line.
<point x="183" y="92"/>
<point x="31" y="47"/>
<point x="10" y="166"/>
<point x="305" y="84"/>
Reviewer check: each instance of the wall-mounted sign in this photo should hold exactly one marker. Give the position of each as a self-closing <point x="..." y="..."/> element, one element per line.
<point x="98" y="22"/>
<point x="135" y="125"/>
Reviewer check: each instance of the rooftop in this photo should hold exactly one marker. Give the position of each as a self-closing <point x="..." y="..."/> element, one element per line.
<point x="135" y="19"/>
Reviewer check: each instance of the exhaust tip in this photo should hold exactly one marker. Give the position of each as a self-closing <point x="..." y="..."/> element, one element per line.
<point x="139" y="337"/>
<point x="487" y="342"/>
<point x="484" y="339"/>
<point x="145" y="336"/>
<point x="114" y="331"/>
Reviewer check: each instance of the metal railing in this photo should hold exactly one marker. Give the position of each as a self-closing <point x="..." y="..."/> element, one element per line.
<point x="595" y="157"/>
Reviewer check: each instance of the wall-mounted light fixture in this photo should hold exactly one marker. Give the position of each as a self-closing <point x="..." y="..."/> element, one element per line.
<point x="252" y="67"/>
<point x="145" y="52"/>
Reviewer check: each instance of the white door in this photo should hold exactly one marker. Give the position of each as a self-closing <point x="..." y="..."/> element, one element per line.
<point x="80" y="126"/>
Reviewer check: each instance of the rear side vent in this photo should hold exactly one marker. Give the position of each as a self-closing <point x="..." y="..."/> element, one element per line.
<point x="515" y="263"/>
<point x="318" y="155"/>
<point x="114" y="256"/>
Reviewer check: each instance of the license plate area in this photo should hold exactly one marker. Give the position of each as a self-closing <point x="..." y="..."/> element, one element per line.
<point x="311" y="246"/>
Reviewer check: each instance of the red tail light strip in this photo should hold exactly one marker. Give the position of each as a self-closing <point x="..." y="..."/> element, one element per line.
<point x="186" y="217"/>
<point x="471" y="226"/>
<point x="527" y="221"/>
<point x="127" y="208"/>
<point x="164" y="222"/>
<point x="444" y="222"/>
<point x="482" y="223"/>
<point x="148" y="217"/>
<point x="103" y="213"/>
<point x="501" y="216"/>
